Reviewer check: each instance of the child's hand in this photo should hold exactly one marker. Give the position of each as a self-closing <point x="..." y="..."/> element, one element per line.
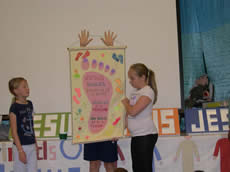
<point x="22" y="157"/>
<point x="37" y="148"/>
<point x="109" y="38"/>
<point x="125" y="101"/>
<point x="84" y="38"/>
<point x="115" y="139"/>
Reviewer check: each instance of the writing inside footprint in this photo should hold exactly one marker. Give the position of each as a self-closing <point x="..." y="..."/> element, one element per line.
<point x="99" y="91"/>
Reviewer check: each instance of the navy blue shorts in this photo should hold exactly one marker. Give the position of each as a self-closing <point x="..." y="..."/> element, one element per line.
<point x="103" y="151"/>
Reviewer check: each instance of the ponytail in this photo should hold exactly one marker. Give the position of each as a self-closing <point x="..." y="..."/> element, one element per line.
<point x="152" y="83"/>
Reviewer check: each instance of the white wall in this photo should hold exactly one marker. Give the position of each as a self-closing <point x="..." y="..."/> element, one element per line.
<point x="34" y="36"/>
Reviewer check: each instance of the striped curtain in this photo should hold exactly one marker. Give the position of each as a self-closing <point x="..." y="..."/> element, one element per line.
<point x="205" y="34"/>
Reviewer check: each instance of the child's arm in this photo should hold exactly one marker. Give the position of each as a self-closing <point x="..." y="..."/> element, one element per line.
<point x="140" y="105"/>
<point x="126" y="120"/>
<point x="13" y="126"/>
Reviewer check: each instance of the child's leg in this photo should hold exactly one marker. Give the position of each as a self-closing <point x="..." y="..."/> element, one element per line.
<point x="18" y="166"/>
<point x="142" y="152"/>
<point x="109" y="166"/>
<point x="31" y="157"/>
<point x="94" y="166"/>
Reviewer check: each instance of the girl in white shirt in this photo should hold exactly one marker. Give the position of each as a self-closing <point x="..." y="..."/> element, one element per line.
<point x="139" y="116"/>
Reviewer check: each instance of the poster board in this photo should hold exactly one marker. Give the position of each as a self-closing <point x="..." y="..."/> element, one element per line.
<point x="97" y="88"/>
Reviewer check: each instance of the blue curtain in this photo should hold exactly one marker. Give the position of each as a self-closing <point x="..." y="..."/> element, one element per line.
<point x="205" y="34"/>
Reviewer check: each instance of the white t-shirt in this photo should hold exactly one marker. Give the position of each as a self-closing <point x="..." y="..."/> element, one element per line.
<point x="142" y="124"/>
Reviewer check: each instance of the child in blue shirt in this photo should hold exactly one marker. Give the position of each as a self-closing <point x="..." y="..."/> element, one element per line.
<point x="21" y="123"/>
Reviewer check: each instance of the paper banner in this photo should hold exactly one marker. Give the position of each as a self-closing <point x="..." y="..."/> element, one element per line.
<point x="210" y="120"/>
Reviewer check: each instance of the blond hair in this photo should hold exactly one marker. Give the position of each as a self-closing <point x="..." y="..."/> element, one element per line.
<point x="14" y="84"/>
<point x="141" y="70"/>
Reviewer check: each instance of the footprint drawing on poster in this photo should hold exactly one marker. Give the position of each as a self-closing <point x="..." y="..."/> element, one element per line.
<point x="117" y="58"/>
<point x="99" y="91"/>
